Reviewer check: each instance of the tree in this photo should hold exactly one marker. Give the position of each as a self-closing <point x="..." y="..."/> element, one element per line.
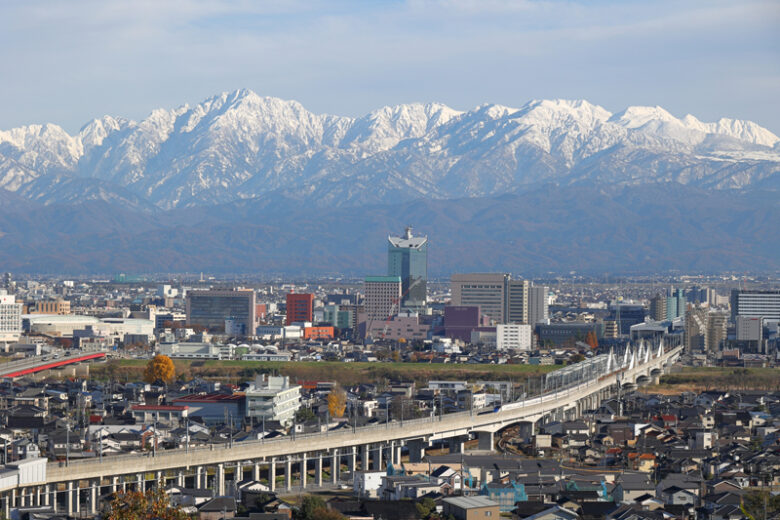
<point x="304" y="414"/>
<point x="425" y="507"/>
<point x="322" y="513"/>
<point x="576" y="358"/>
<point x="159" y="368"/>
<point x="310" y="505"/>
<point x="337" y="401"/>
<point x="755" y="503"/>
<point x="152" y="505"/>
<point x="592" y="340"/>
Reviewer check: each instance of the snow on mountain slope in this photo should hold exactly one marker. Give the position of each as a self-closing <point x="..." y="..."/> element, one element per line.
<point x="240" y="145"/>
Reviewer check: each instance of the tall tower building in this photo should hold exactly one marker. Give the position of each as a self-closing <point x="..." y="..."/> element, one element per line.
<point x="658" y="307"/>
<point x="717" y="330"/>
<point x="383" y="294"/>
<point x="675" y="304"/>
<point x="300" y="307"/>
<point x="487" y="290"/>
<point x="538" y="306"/>
<point x="407" y="258"/>
<point x="696" y="329"/>
<point x="518" y="301"/>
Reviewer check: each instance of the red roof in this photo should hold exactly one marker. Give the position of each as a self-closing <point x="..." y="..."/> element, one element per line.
<point x="208" y="398"/>
<point x="159" y="407"/>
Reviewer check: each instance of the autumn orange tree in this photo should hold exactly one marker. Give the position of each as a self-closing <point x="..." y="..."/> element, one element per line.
<point x="592" y="340"/>
<point x="337" y="401"/>
<point x="159" y="368"/>
<point x="152" y="505"/>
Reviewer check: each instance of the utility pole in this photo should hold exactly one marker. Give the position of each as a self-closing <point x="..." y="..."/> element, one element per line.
<point x="67" y="443"/>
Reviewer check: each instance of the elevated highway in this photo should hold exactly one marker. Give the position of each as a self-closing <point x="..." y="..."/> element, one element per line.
<point x="567" y="395"/>
<point x="33" y="365"/>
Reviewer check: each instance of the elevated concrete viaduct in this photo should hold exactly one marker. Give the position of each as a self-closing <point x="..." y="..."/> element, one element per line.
<point x="77" y="485"/>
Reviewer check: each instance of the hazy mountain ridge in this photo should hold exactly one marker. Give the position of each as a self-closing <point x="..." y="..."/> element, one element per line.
<point x="592" y="229"/>
<point x="239" y="145"/>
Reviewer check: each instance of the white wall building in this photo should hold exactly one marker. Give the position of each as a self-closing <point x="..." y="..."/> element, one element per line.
<point x="513" y="337"/>
<point x="197" y="350"/>
<point x="10" y="317"/>
<point x="367" y="483"/>
<point x="276" y="332"/>
<point x="273" y="398"/>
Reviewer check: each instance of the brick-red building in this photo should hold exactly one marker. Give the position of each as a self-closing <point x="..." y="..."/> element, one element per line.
<point x="299" y="307"/>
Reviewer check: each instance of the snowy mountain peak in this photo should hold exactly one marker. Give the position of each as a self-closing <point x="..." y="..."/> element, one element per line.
<point x="639" y="116"/>
<point x="238" y="144"/>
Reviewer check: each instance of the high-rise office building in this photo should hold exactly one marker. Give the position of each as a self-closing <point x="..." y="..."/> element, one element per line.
<point x="518" y="295"/>
<point x="407" y="258"/>
<point x="675" y="304"/>
<point x="755" y="304"/>
<point x="10" y="317"/>
<point x="383" y="294"/>
<point x="486" y="290"/>
<point x="538" y="305"/>
<point x="210" y="309"/>
<point x="717" y="330"/>
<point x="658" y="307"/>
<point x="696" y="329"/>
<point x="300" y="307"/>
<point x="749" y="329"/>
<point x="500" y="298"/>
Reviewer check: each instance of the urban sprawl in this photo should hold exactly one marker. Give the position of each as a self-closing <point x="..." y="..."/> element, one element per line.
<point x="395" y="396"/>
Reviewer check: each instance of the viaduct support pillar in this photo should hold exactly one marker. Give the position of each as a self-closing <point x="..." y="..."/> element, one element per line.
<point x="378" y="459"/>
<point x="304" y="470"/>
<point x="68" y="498"/>
<point x="416" y="449"/>
<point x="272" y="475"/>
<point x="220" y="480"/>
<point x="288" y="474"/>
<point x="364" y="456"/>
<point x="352" y="461"/>
<point x="318" y="470"/>
<point x="455" y="444"/>
<point x="94" y="486"/>
<point x="335" y="466"/>
<point x="485" y="441"/>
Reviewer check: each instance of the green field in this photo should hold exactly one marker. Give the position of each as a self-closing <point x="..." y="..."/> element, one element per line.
<point x="699" y="379"/>
<point x="345" y="373"/>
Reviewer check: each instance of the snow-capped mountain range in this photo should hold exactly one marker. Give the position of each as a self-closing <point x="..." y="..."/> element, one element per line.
<point x="240" y="145"/>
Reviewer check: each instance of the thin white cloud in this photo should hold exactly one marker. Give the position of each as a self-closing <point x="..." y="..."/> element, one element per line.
<point x="69" y="61"/>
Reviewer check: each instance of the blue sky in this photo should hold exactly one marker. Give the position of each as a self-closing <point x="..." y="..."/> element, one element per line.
<point x="68" y="62"/>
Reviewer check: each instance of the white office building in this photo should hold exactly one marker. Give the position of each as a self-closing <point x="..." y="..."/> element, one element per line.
<point x="755" y="304"/>
<point x="513" y="337"/>
<point x="10" y="318"/>
<point x="273" y="398"/>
